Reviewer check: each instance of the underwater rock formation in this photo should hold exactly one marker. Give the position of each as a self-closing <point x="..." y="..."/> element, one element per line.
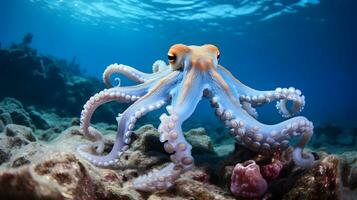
<point x="58" y="176"/>
<point x="13" y="112"/>
<point x="14" y="137"/>
<point x="318" y="183"/>
<point x="53" y="170"/>
<point x="325" y="138"/>
<point x="47" y="82"/>
<point x="45" y="123"/>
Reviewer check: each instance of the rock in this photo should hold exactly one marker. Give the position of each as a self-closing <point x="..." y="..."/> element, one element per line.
<point x="63" y="172"/>
<point x="165" y="196"/>
<point x="201" y="143"/>
<point x="224" y="144"/>
<point x="12" y="111"/>
<point x="53" y="170"/>
<point x="325" y="138"/>
<point x="13" y="139"/>
<point x="2" y="126"/>
<point x="148" y="139"/>
<point x="199" y="174"/>
<point x="189" y="188"/>
<point x="4" y="154"/>
<point x="353" y="178"/>
<point x="23" y="133"/>
<point x="146" y="150"/>
<point x="5" y="117"/>
<point x="48" y="82"/>
<point x="56" y="126"/>
<point x="320" y="182"/>
<point x="75" y="121"/>
<point x="25" y="155"/>
<point x="39" y="121"/>
<point x="49" y="134"/>
<point x="59" y="176"/>
<point x="348" y="170"/>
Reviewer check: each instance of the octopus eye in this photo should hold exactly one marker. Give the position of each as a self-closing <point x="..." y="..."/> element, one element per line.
<point x="218" y="56"/>
<point x="171" y="57"/>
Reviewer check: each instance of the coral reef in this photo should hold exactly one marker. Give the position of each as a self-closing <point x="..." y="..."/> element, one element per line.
<point x="53" y="170"/>
<point x="318" y="183"/>
<point x="47" y="82"/>
<point x="12" y="111"/>
<point x="325" y="138"/>
<point x="46" y="124"/>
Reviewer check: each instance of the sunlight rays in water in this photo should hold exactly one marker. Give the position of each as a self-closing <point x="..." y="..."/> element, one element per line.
<point x="117" y="12"/>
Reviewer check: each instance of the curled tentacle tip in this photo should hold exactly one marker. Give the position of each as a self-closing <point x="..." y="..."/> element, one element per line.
<point x="305" y="161"/>
<point x="117" y="79"/>
<point x="100" y="147"/>
<point x="287" y="112"/>
<point x="158" y="65"/>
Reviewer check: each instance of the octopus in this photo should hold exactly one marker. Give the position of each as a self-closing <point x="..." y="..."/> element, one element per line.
<point x="193" y="73"/>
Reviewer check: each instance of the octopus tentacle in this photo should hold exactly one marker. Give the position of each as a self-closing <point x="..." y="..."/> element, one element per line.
<point x="258" y="136"/>
<point x="258" y="98"/>
<point x="133" y="73"/>
<point x="128" y="71"/>
<point x="159" y="65"/>
<point x="173" y="138"/>
<point x="249" y="109"/>
<point x="91" y="105"/>
<point x="121" y="94"/>
<point x="154" y="99"/>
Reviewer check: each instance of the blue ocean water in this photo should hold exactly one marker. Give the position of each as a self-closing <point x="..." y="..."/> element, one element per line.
<point x="308" y="44"/>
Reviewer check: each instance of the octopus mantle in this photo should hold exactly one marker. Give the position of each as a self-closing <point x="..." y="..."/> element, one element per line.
<point x="193" y="72"/>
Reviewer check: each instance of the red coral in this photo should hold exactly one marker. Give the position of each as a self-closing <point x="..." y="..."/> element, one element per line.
<point x="271" y="171"/>
<point x="247" y="181"/>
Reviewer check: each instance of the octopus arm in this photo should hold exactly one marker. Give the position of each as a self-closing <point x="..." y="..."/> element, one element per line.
<point x="159" y="67"/>
<point x="251" y="98"/>
<point x="154" y="99"/>
<point x="258" y="136"/>
<point x="185" y="98"/>
<point x="121" y="94"/>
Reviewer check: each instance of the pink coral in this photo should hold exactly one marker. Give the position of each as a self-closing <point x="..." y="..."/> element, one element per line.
<point x="247" y="181"/>
<point x="271" y="171"/>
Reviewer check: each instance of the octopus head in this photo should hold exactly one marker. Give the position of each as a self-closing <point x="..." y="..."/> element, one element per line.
<point x="203" y="58"/>
<point x="199" y="66"/>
